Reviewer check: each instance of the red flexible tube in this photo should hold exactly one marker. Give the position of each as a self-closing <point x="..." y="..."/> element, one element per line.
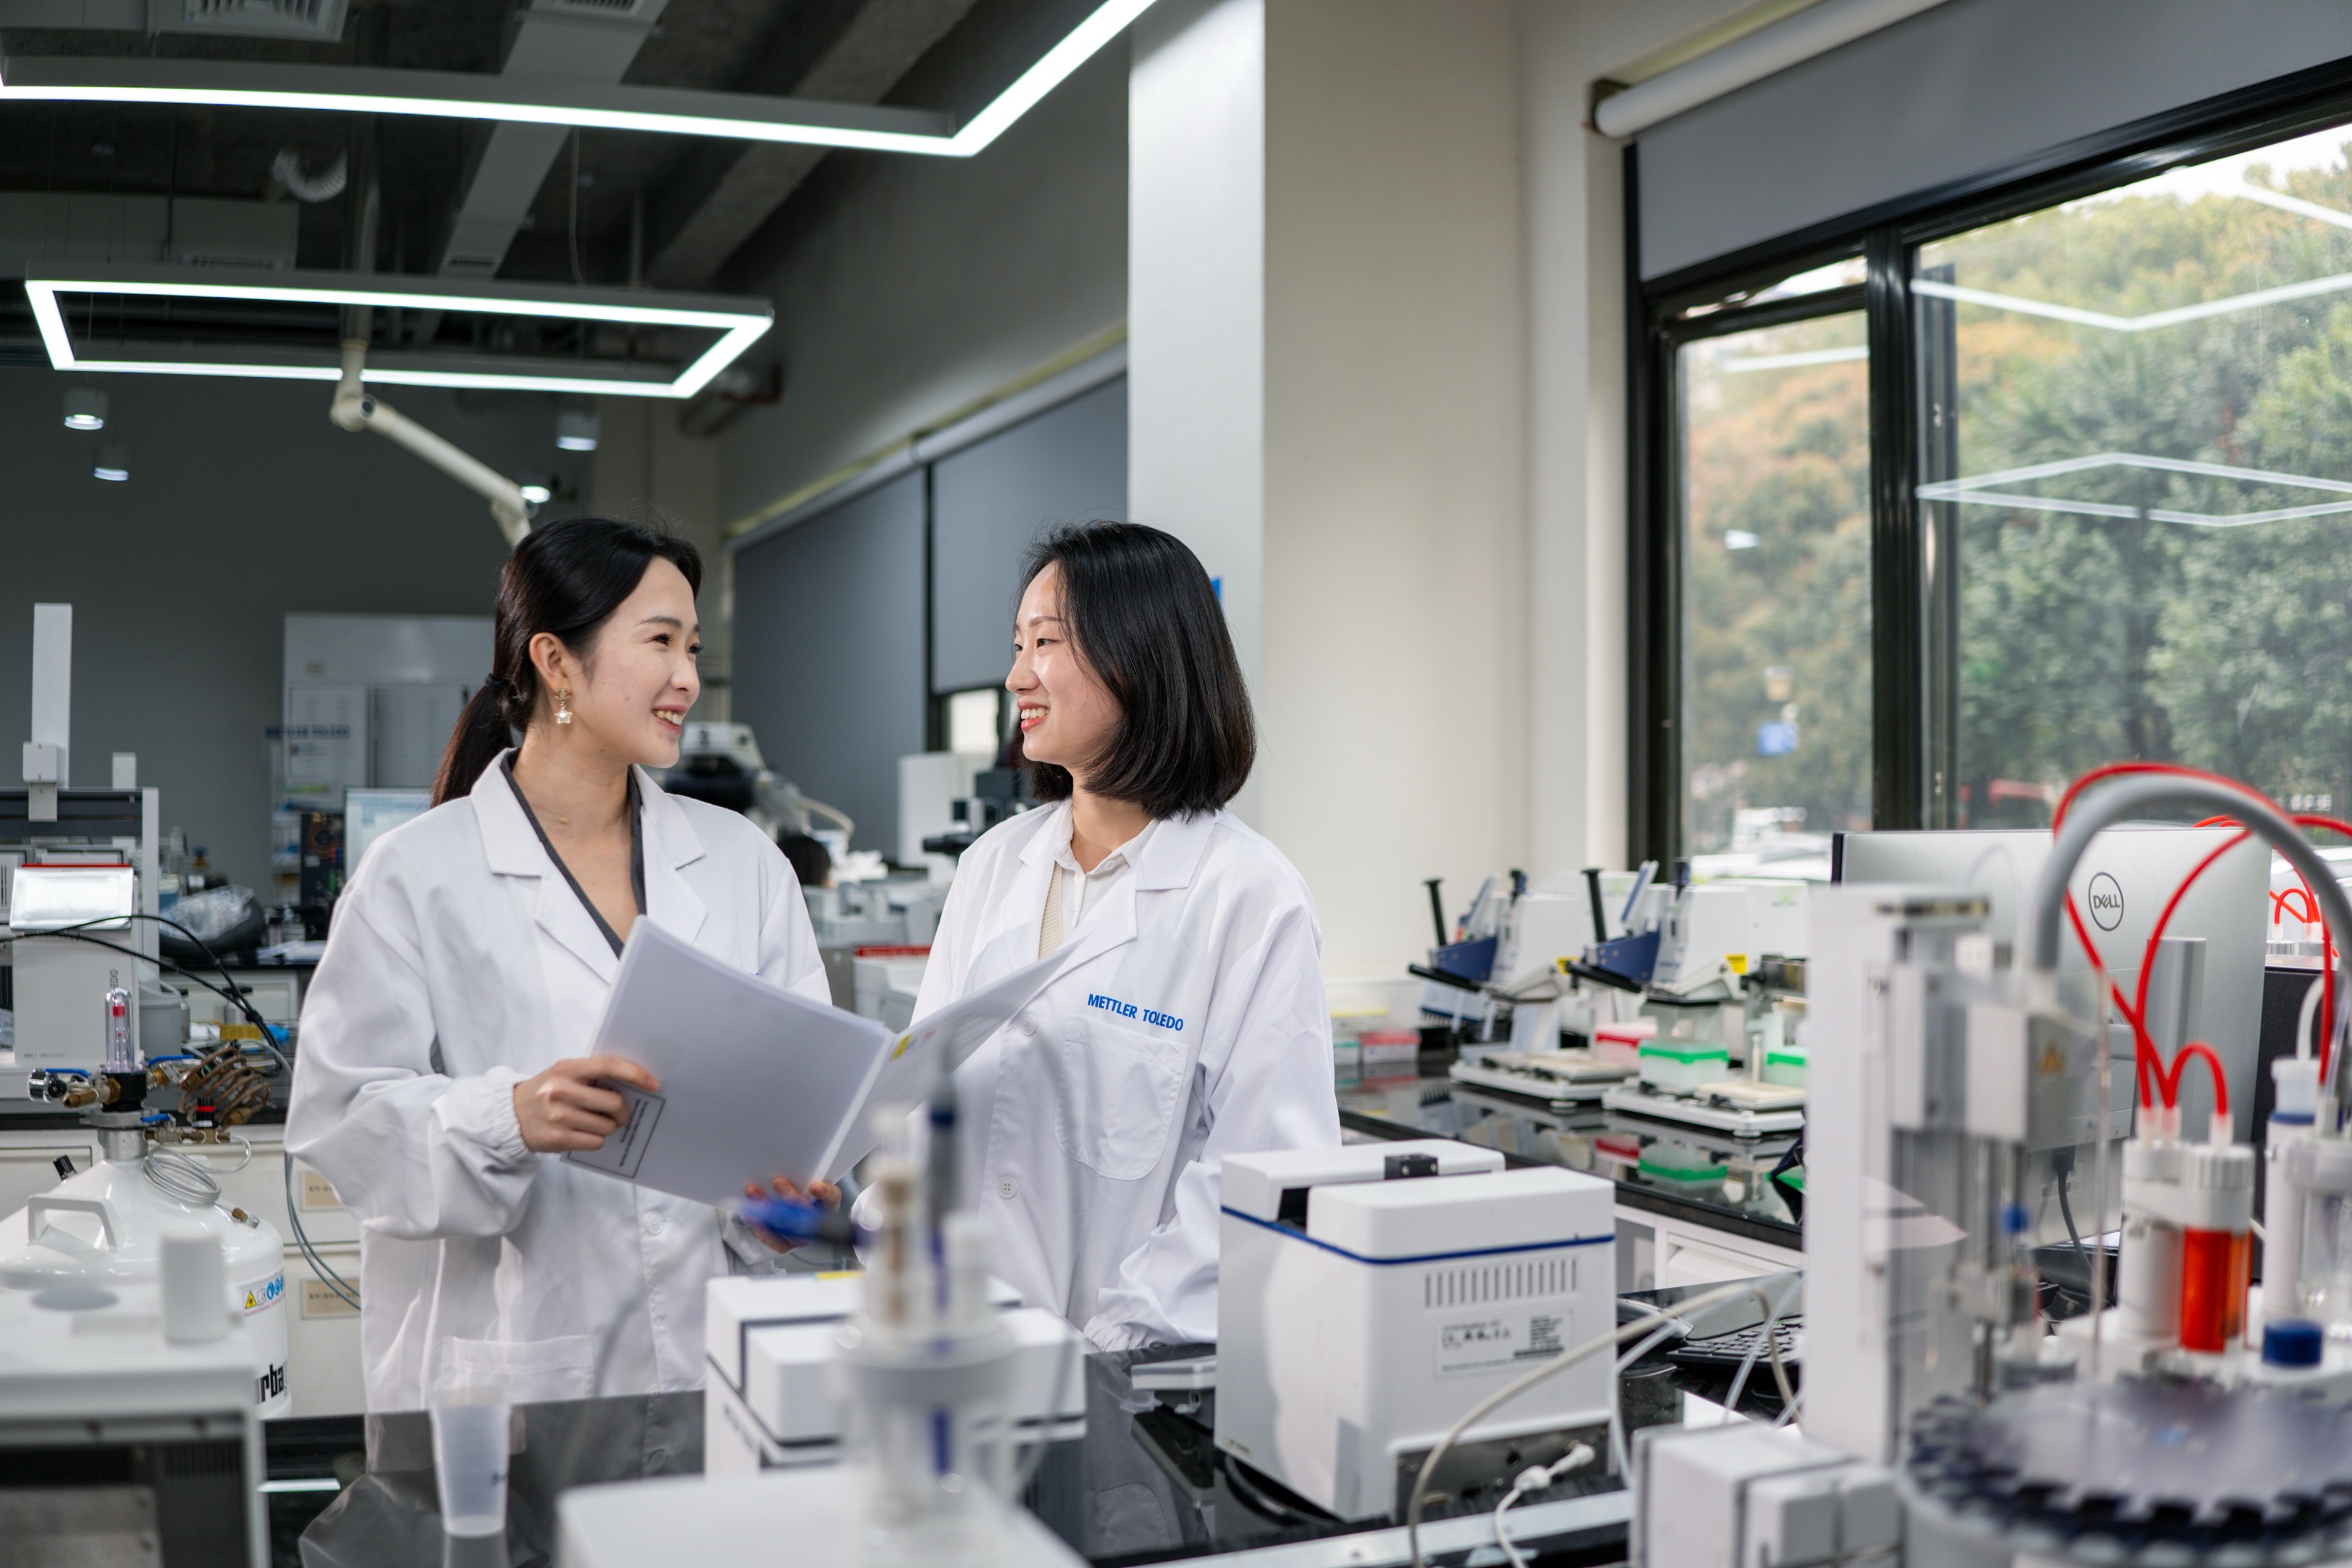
<point x="2212" y="1064"/>
<point x="2146" y="1060"/>
<point x="2147" y="960"/>
<point x="2327" y="951"/>
<point x="2143" y="1047"/>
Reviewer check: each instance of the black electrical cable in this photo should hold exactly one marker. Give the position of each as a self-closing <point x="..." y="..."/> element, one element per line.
<point x="232" y="996"/>
<point x="2067" y="1210"/>
<point x="319" y="1266"/>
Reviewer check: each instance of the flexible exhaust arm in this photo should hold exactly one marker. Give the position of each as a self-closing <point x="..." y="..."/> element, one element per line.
<point x="356" y="408"/>
<point x="2133" y="794"/>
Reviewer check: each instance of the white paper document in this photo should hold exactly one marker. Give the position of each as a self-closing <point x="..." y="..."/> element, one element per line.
<point x="758" y="1081"/>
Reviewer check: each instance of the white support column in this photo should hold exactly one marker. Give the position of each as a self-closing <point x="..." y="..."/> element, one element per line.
<point x="48" y="752"/>
<point x="1196" y="297"/>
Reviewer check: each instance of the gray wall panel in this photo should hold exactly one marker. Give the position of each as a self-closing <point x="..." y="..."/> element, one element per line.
<point x="989" y="501"/>
<point x="243" y="503"/>
<point x="1965" y="88"/>
<point x="829" y="653"/>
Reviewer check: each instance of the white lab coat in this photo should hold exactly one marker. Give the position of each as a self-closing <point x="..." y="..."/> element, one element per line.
<point x="1188" y="1024"/>
<point x="460" y="963"/>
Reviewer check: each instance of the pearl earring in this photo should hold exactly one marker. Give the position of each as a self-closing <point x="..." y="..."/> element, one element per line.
<point x="563" y="706"/>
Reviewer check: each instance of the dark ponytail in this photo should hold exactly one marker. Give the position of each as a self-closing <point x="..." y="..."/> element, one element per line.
<point x="566" y="579"/>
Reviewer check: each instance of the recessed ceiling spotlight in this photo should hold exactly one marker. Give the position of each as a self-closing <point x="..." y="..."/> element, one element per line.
<point x="576" y="429"/>
<point x="538" y="495"/>
<point x="114" y="463"/>
<point x="85" y="409"/>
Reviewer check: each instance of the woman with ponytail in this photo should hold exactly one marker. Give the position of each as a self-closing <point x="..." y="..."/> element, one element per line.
<point x="442" y="1073"/>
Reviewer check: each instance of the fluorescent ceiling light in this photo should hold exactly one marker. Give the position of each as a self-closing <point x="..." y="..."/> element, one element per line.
<point x="1983" y="489"/>
<point x="739" y="322"/>
<point x="2225" y="179"/>
<point x="2154" y="320"/>
<point x="453" y="95"/>
<point x="1792" y="361"/>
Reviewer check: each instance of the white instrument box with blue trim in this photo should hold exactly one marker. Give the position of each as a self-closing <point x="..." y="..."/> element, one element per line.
<point x="1370" y="1295"/>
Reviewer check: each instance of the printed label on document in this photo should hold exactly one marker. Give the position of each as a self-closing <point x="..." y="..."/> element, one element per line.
<point x="1481" y="1344"/>
<point x="624" y="1148"/>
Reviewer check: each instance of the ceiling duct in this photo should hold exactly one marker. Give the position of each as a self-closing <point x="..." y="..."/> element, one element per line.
<point x="317" y="21"/>
<point x="44" y="229"/>
<point x="322" y="21"/>
<point x="550" y="45"/>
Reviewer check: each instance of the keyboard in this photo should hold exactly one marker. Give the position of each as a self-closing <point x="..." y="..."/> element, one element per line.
<point x="1727" y="1351"/>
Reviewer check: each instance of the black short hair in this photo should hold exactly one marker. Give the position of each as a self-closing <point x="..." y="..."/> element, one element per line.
<point x="1143" y="615"/>
<point x="812" y="861"/>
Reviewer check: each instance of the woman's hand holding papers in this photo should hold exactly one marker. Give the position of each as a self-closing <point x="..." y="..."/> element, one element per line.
<point x="564" y="1109"/>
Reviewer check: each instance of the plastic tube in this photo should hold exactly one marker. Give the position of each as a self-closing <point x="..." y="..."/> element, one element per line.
<point x="2178" y="787"/>
<point x="2221" y="1085"/>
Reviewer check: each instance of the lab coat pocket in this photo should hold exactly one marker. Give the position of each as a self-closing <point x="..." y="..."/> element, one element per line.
<point x="532" y="1371"/>
<point x="1116" y="1096"/>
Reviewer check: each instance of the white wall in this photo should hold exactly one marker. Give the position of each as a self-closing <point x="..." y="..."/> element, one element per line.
<point x="1394" y="691"/>
<point x="1575" y="576"/>
<point x="1388" y="213"/>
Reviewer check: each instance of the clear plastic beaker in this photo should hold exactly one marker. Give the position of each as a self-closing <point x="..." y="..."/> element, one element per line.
<point x="470" y="1459"/>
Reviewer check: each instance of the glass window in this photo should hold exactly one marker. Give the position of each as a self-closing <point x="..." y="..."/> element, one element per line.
<point x="1775" y="501"/>
<point x="2148" y="484"/>
<point x="975" y="721"/>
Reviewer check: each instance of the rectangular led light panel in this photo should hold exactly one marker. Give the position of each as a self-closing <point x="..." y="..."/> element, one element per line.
<point x="739" y="324"/>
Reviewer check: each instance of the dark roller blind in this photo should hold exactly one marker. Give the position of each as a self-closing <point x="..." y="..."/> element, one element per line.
<point x="989" y="500"/>
<point x="1971" y="86"/>
<point x="829" y="652"/>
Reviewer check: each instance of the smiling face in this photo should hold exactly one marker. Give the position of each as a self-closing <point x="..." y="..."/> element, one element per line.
<point x="630" y="695"/>
<point x="1068" y="716"/>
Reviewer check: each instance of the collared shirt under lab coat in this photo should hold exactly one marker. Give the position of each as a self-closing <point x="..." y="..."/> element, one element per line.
<point x="1188" y="1024"/>
<point x="460" y="963"/>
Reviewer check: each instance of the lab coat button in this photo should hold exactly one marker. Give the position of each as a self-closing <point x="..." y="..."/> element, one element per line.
<point x="1007" y="1187"/>
<point x="653" y="1224"/>
<point x="1025" y="1024"/>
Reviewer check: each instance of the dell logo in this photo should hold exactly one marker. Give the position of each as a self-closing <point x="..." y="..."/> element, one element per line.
<point x="2106" y="901"/>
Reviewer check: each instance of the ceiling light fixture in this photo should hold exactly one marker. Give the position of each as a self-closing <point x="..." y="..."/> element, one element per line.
<point x="114" y="463"/>
<point x="85" y="409"/>
<point x="1984" y="490"/>
<point x="2153" y="320"/>
<point x="739" y="322"/>
<point x="538" y="495"/>
<point x="453" y="95"/>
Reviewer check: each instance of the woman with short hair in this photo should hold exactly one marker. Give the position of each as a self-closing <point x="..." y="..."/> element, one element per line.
<point x="1189" y="1021"/>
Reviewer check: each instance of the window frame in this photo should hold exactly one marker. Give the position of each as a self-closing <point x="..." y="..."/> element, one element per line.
<point x="1913" y="595"/>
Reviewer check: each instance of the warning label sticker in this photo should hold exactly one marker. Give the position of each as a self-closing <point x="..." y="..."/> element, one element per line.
<point x="1481" y="1344"/>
